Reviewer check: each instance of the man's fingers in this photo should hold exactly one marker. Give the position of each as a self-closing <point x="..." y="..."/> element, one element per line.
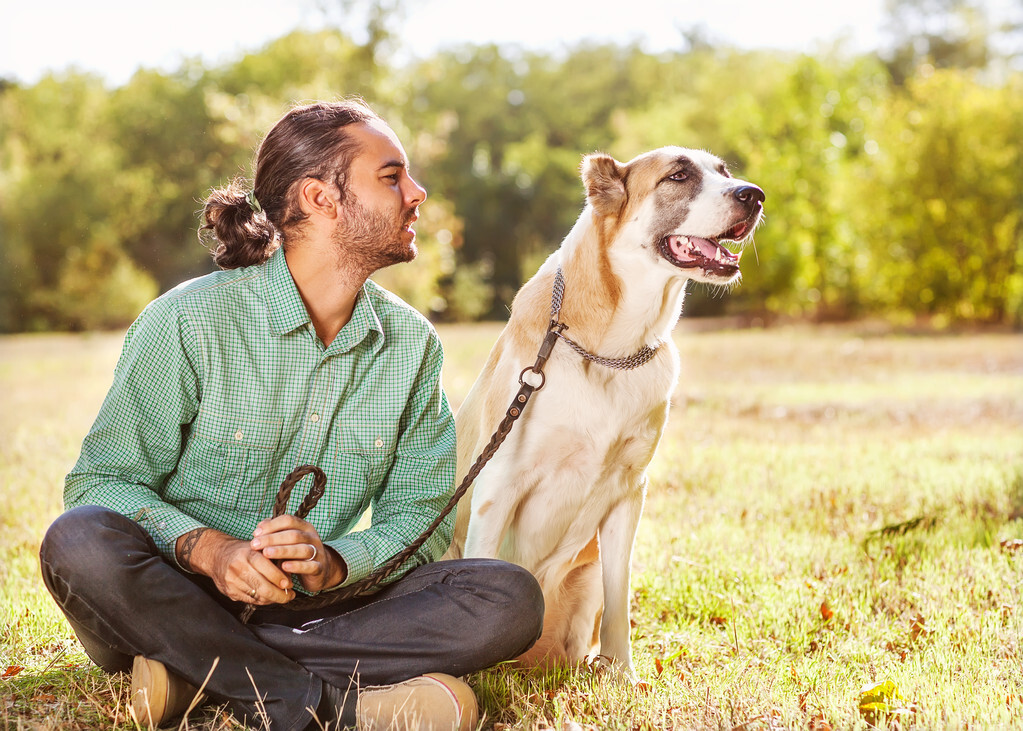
<point x="284" y="539"/>
<point x="268" y="594"/>
<point x="281" y="523"/>
<point x="293" y="552"/>
<point x="270" y="574"/>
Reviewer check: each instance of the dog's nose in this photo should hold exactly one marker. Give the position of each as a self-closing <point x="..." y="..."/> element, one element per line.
<point x="749" y="194"/>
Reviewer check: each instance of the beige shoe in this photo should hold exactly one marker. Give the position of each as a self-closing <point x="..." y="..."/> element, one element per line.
<point x="431" y="702"/>
<point x="157" y="695"/>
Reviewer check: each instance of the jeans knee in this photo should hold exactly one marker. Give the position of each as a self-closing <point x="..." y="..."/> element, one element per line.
<point x="528" y="597"/>
<point x="86" y="540"/>
<point x="517" y="609"/>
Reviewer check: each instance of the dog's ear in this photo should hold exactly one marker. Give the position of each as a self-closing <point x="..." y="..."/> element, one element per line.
<point x="604" y="178"/>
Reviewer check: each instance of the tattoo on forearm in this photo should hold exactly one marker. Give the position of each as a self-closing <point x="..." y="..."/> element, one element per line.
<point x="188" y="544"/>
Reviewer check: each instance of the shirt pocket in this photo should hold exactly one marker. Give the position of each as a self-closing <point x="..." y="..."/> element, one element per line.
<point x="228" y="461"/>
<point x="375" y="442"/>
<point x="363" y="455"/>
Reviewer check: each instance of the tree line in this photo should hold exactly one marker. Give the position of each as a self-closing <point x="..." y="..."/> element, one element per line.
<point x="891" y="191"/>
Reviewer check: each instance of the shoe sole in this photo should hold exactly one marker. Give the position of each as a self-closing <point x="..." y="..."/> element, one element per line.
<point x="149" y="684"/>
<point x="432" y="702"/>
<point x="157" y="695"/>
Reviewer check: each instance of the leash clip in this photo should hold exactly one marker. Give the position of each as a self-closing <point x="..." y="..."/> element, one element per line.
<point x="546" y="348"/>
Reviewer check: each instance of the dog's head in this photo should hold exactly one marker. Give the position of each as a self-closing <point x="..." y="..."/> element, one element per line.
<point x="678" y="205"/>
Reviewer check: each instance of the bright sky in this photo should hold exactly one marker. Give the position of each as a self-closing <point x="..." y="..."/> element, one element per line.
<point x="116" y="37"/>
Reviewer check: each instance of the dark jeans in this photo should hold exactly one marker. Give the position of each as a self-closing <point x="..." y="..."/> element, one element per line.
<point x="123" y="599"/>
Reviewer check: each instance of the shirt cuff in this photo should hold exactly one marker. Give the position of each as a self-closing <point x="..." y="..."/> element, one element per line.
<point x="165" y="525"/>
<point x="356" y="557"/>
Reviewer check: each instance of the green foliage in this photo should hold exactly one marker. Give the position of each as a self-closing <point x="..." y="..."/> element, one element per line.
<point x="894" y="199"/>
<point x="946" y="186"/>
<point x="945" y="33"/>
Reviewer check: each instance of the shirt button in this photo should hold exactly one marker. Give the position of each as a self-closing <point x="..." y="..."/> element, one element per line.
<point x="378" y="443"/>
<point x="238" y="435"/>
<point x="314" y="418"/>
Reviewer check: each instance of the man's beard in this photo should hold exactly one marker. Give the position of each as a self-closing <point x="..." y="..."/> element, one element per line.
<point x="366" y="241"/>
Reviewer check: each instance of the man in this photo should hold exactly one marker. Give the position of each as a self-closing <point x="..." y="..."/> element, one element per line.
<point x="228" y="382"/>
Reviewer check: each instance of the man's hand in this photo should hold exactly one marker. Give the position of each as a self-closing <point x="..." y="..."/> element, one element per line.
<point x="239" y="572"/>
<point x="297" y="546"/>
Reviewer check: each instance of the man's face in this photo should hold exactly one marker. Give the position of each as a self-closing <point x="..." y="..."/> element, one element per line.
<point x="375" y="228"/>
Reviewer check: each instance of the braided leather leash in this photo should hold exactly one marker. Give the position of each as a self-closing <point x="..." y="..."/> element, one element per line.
<point x="364" y="586"/>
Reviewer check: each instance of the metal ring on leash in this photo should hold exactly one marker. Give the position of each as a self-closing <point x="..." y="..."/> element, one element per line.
<point x="531" y="369"/>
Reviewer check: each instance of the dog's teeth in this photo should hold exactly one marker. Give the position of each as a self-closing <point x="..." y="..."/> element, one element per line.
<point x="717" y="255"/>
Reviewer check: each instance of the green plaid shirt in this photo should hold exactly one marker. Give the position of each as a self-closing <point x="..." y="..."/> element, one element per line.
<point x="223" y="388"/>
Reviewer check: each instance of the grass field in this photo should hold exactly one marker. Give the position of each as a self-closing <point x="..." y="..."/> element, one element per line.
<point x="830" y="509"/>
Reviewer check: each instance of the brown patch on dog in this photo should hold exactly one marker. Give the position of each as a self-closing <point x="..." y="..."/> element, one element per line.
<point x="595" y="639"/>
<point x="588" y="553"/>
<point x="592" y="290"/>
<point x="570" y="453"/>
<point x="595" y="289"/>
<point x="604" y="178"/>
<point x="534" y="301"/>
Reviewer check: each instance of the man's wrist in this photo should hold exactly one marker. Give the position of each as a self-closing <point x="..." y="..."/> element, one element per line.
<point x="192" y="549"/>
<point x="338" y="569"/>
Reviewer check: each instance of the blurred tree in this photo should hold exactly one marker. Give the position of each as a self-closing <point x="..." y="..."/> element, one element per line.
<point x="942" y="33"/>
<point x="944" y="224"/>
<point x="372" y="26"/>
<point x="162" y="128"/>
<point x="881" y="197"/>
<point x="59" y="209"/>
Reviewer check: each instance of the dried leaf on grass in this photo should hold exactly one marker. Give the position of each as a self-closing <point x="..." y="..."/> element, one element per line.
<point x="11" y="671"/>
<point x="879" y="702"/>
<point x="1011" y="545"/>
<point x="918" y="626"/>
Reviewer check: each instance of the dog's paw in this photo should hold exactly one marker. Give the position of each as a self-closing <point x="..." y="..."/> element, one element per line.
<point x="614" y="668"/>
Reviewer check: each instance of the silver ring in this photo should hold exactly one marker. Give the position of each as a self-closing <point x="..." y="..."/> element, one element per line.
<point x="314" y="552"/>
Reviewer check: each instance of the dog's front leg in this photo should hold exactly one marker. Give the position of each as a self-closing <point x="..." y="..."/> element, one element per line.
<point x="617" y="534"/>
<point x="491" y="511"/>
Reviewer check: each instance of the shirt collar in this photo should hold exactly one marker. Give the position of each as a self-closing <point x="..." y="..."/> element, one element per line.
<point x="287" y="310"/>
<point x="285" y="306"/>
<point x="364" y="321"/>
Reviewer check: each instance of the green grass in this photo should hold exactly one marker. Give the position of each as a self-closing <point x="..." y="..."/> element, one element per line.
<point x="830" y="508"/>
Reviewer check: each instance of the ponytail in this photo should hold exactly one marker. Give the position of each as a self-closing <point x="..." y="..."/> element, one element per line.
<point x="242" y="233"/>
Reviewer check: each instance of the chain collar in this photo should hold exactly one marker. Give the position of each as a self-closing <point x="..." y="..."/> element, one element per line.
<point x="643" y="355"/>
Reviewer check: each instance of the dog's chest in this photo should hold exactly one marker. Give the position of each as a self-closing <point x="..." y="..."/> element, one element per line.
<point x="598" y="427"/>
<point x="584" y="449"/>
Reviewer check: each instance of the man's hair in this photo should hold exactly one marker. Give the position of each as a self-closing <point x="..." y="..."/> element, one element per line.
<point x="309" y="141"/>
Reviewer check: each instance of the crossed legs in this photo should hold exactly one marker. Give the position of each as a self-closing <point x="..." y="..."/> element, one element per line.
<point x="123" y="599"/>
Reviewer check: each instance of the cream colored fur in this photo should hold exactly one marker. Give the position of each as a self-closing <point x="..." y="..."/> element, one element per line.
<point x="563" y="495"/>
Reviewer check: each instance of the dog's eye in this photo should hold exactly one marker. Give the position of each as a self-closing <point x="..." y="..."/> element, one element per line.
<point x="679" y="176"/>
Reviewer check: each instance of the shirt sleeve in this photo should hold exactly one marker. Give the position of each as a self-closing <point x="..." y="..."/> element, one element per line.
<point x="418" y="486"/>
<point x="137" y="438"/>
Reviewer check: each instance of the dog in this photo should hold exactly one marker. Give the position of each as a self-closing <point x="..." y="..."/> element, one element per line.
<point x="563" y="494"/>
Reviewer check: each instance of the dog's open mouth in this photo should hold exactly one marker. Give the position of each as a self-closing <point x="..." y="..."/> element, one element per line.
<point x="687" y="252"/>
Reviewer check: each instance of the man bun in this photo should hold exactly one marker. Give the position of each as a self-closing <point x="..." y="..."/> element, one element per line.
<point x="242" y="236"/>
